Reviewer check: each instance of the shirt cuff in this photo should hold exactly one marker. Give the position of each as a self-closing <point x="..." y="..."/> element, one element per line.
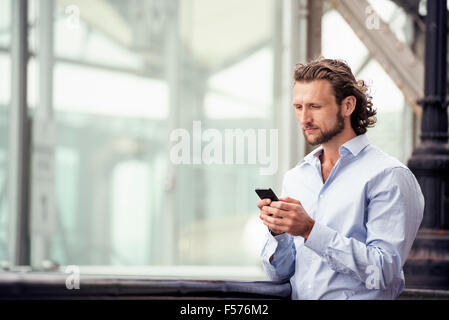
<point x="319" y="238"/>
<point x="278" y="244"/>
<point x="281" y="240"/>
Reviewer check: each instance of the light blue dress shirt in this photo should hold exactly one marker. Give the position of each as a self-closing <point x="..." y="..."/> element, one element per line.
<point x="366" y="214"/>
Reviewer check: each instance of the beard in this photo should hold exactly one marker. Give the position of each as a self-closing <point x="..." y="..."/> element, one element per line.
<point x="324" y="136"/>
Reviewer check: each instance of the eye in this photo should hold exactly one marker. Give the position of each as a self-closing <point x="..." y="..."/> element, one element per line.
<point x="316" y="107"/>
<point x="298" y="107"/>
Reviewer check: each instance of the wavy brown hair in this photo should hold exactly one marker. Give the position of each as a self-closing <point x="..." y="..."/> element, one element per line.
<point x="344" y="84"/>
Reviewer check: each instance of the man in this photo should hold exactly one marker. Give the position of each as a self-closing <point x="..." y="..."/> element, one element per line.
<point x="348" y="212"/>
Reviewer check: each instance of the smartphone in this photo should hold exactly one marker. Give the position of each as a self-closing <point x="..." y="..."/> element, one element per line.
<point x="267" y="193"/>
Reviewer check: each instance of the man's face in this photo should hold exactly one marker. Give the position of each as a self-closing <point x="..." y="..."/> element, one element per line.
<point x="317" y="112"/>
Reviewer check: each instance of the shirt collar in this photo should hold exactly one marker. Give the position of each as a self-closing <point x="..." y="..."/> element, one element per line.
<point x="354" y="146"/>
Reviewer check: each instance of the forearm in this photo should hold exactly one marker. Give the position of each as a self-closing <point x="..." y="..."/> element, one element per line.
<point x="278" y="257"/>
<point x="378" y="265"/>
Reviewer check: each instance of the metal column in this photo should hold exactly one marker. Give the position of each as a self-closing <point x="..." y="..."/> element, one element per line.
<point x="18" y="170"/>
<point x="168" y="227"/>
<point x="428" y="263"/>
<point x="43" y="213"/>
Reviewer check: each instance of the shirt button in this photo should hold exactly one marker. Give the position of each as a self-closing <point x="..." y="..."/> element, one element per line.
<point x="309" y="286"/>
<point x="321" y="196"/>
<point x="282" y="240"/>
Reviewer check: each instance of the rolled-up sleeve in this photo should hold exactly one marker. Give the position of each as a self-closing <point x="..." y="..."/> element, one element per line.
<point x="278" y="256"/>
<point x="279" y="252"/>
<point x="394" y="211"/>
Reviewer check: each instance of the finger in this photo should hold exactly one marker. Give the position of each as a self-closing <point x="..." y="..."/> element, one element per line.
<point x="290" y="200"/>
<point x="275" y="226"/>
<point x="270" y="225"/>
<point x="265" y="211"/>
<point x="262" y="202"/>
<point x="283" y="205"/>
<point x="274" y="220"/>
<point x="263" y="215"/>
<point x="272" y="211"/>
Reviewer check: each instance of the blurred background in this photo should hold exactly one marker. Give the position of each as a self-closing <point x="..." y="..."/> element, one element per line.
<point x="85" y="172"/>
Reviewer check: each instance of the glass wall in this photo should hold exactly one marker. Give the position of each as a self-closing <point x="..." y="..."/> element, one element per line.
<point x="163" y="120"/>
<point x="162" y="113"/>
<point x="5" y="100"/>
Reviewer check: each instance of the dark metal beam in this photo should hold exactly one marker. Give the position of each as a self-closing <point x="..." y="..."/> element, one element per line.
<point x="395" y="57"/>
<point x="428" y="262"/>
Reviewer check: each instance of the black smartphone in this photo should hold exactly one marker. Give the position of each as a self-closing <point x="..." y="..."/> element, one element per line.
<point x="267" y="193"/>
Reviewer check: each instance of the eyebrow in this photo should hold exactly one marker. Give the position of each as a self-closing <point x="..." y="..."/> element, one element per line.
<point x="307" y="104"/>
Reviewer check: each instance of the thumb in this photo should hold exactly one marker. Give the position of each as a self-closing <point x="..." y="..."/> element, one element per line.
<point x="290" y="200"/>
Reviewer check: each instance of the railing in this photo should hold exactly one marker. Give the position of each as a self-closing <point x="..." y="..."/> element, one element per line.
<point x="44" y="285"/>
<point x="59" y="286"/>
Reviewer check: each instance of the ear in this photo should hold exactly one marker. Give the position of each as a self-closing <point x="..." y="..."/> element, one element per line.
<point x="348" y="105"/>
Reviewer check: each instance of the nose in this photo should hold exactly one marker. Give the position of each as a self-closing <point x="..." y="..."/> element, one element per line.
<point x="304" y="117"/>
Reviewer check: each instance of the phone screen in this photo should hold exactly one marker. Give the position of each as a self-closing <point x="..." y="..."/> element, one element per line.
<point x="267" y="193"/>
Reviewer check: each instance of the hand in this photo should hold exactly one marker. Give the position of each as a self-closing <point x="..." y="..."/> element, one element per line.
<point x="263" y="212"/>
<point x="286" y="215"/>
